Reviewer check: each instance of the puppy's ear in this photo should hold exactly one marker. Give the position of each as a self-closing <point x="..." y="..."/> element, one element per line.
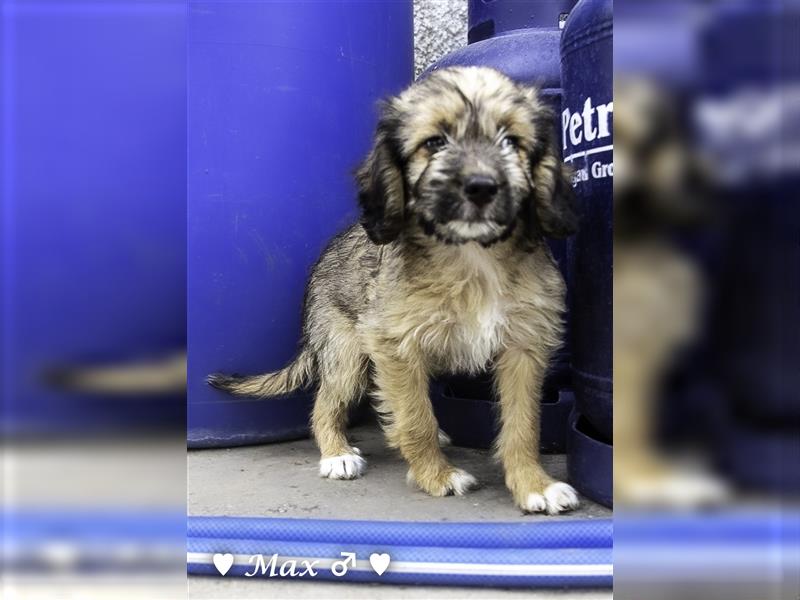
<point x="552" y="206"/>
<point x="381" y="190"/>
<point x="553" y="201"/>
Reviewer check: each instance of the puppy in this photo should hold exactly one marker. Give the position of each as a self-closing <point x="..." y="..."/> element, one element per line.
<point x="448" y="271"/>
<point x="661" y="190"/>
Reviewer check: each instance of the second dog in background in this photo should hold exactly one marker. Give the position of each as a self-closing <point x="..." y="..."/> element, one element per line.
<point x="447" y="272"/>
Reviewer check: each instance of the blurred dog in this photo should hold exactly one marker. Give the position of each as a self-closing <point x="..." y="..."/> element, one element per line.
<point x="661" y="188"/>
<point x="448" y="271"/>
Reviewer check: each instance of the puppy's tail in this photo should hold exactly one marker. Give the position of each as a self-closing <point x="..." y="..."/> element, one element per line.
<point x="297" y="374"/>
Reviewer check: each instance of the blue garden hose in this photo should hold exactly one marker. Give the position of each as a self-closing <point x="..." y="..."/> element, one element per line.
<point x="574" y="553"/>
<point x="596" y="533"/>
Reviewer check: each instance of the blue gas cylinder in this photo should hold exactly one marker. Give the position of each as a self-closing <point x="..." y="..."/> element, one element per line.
<point x="281" y="103"/>
<point x="755" y="349"/>
<point x="520" y="39"/>
<point x="587" y="144"/>
<point x="493" y="18"/>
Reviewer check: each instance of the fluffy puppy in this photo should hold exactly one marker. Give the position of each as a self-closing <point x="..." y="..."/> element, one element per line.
<point x="661" y="190"/>
<point x="448" y="271"/>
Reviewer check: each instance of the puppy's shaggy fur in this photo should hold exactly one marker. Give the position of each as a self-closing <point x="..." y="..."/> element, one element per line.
<point x="448" y="271"/>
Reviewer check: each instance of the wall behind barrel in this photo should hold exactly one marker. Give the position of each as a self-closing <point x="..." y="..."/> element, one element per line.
<point x="439" y="28"/>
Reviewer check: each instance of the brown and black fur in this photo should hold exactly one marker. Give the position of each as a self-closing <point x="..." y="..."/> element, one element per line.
<point x="447" y="271"/>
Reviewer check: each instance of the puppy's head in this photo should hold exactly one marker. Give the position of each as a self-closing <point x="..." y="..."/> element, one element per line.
<point x="469" y="155"/>
<point x="662" y="184"/>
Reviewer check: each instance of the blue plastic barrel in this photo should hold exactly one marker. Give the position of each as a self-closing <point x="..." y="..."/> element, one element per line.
<point x="281" y="103"/>
<point x="93" y="244"/>
<point x="587" y="144"/>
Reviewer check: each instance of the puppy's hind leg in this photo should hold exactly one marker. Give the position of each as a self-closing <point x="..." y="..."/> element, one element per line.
<point x="342" y="381"/>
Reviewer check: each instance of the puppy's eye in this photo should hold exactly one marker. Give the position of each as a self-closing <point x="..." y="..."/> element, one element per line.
<point x="510" y="141"/>
<point x="435" y="143"/>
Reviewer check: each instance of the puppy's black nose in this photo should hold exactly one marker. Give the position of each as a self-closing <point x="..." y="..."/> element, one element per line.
<point x="480" y="189"/>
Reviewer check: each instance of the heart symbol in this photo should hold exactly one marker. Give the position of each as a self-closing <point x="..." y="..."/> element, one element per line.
<point x="379" y="562"/>
<point x="223" y="563"/>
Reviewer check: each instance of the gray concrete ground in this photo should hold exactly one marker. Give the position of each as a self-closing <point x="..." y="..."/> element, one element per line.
<point x="280" y="480"/>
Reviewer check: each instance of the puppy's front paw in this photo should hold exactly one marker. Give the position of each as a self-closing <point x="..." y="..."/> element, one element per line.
<point x="444" y="483"/>
<point x="670" y="489"/>
<point x="345" y="466"/>
<point x="556" y="498"/>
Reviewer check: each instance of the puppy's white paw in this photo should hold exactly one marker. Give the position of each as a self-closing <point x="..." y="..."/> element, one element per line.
<point x="675" y="490"/>
<point x="444" y="439"/>
<point x="461" y="482"/>
<point x="558" y="497"/>
<point x="345" y="466"/>
<point x="535" y="503"/>
<point x="457" y="482"/>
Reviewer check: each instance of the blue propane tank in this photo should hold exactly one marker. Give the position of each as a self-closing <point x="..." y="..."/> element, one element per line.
<point x="753" y="330"/>
<point x="587" y="144"/>
<point x="520" y="39"/>
<point x="281" y="109"/>
<point x="493" y="18"/>
<point x="93" y="212"/>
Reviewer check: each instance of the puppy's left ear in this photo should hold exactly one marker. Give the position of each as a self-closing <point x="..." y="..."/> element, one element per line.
<point x="381" y="189"/>
<point x="553" y="202"/>
<point x="552" y="208"/>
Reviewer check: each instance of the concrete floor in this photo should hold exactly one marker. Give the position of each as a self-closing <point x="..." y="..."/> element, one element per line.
<point x="280" y="480"/>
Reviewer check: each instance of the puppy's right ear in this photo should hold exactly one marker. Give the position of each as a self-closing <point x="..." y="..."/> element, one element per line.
<point x="381" y="190"/>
